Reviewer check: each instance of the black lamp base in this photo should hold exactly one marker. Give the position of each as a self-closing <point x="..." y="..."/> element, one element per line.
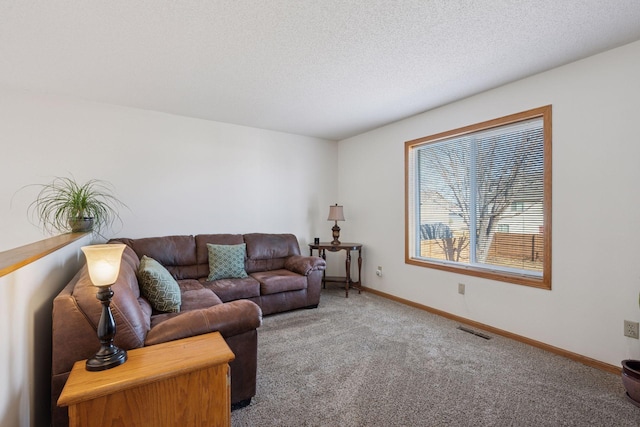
<point x="106" y="358"/>
<point x="109" y="356"/>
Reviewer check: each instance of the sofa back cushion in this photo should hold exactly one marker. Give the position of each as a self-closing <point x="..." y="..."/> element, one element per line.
<point x="267" y="252"/>
<point x="176" y="253"/>
<point x="132" y="321"/>
<point x="187" y="257"/>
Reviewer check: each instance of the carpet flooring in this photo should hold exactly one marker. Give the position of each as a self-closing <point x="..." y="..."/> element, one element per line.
<point x="369" y="361"/>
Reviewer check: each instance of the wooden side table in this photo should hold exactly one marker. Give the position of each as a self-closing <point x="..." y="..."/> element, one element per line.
<point x="322" y="247"/>
<point x="179" y="383"/>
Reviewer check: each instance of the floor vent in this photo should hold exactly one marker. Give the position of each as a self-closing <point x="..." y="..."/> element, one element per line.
<point x="476" y="333"/>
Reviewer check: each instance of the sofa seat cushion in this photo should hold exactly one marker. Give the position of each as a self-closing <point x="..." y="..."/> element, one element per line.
<point x="275" y="281"/>
<point x="234" y="289"/>
<point x="195" y="296"/>
<point x="192" y="300"/>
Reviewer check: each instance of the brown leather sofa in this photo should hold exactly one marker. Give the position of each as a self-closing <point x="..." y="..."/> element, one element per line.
<point x="279" y="279"/>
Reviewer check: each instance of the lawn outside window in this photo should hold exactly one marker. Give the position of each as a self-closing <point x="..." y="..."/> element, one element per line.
<point x="478" y="199"/>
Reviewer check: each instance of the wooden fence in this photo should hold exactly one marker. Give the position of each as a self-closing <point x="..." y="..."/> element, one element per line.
<point x="507" y="249"/>
<point x="527" y="247"/>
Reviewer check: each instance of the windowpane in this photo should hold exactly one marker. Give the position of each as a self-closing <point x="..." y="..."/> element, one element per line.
<point x="510" y="172"/>
<point x="444" y="188"/>
<point x="476" y="199"/>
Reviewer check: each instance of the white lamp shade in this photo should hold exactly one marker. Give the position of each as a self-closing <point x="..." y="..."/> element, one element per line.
<point x="103" y="262"/>
<point x="335" y="213"/>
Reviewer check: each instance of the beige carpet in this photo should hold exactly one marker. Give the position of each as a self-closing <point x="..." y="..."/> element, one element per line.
<point x="368" y="361"/>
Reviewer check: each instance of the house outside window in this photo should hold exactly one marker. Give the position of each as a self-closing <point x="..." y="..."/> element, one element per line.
<point x="478" y="199"/>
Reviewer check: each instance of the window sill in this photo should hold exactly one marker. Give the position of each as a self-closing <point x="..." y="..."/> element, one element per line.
<point x="543" y="282"/>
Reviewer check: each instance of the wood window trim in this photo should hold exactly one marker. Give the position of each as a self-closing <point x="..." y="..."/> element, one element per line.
<point x="544" y="282"/>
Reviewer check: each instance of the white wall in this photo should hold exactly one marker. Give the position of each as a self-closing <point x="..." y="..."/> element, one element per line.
<point x="596" y="205"/>
<point x="178" y="175"/>
<point x="26" y="296"/>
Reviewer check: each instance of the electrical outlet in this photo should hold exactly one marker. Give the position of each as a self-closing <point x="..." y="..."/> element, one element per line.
<point x="461" y="288"/>
<point x="379" y="271"/>
<point x="631" y="329"/>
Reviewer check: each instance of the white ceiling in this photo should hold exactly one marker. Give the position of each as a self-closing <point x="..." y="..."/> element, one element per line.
<point x="325" y="68"/>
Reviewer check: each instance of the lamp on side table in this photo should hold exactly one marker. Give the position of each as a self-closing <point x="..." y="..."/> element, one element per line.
<point x="103" y="263"/>
<point x="336" y="214"/>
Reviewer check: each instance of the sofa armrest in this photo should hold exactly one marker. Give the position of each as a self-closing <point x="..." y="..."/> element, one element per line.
<point x="232" y="318"/>
<point x="304" y="264"/>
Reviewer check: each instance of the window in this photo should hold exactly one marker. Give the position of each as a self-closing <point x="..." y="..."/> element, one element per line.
<point x="503" y="228"/>
<point x="478" y="199"/>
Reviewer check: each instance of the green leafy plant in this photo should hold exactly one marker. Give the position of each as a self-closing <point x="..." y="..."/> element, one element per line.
<point x="64" y="203"/>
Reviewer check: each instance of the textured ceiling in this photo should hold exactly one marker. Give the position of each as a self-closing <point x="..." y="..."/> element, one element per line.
<point x="325" y="68"/>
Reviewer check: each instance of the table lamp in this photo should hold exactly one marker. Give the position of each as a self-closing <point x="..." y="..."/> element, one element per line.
<point x="103" y="263"/>
<point x="335" y="214"/>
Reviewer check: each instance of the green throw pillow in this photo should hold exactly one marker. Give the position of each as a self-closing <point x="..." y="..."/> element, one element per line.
<point x="158" y="286"/>
<point x="226" y="261"/>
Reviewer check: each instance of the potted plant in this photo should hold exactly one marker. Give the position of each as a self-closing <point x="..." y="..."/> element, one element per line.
<point x="64" y="204"/>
